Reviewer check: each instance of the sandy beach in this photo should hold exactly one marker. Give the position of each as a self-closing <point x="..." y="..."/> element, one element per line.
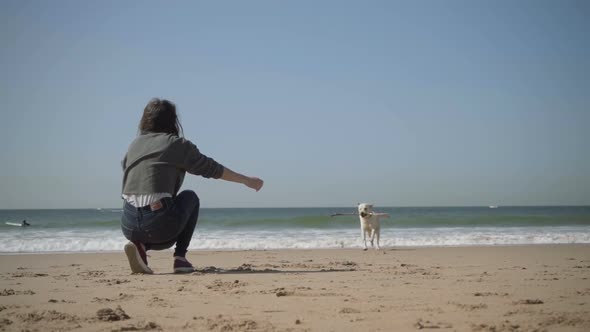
<point x="517" y="288"/>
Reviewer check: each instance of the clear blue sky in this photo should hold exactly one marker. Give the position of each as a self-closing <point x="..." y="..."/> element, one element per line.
<point x="399" y="103"/>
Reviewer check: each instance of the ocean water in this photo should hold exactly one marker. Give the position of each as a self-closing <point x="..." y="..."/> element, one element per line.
<point x="95" y="230"/>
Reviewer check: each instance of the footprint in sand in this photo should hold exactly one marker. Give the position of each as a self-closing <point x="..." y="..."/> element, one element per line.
<point x="471" y="307"/>
<point x="141" y="326"/>
<point x="121" y="297"/>
<point x="4" y="322"/>
<point x="9" y="292"/>
<point x="349" y="311"/>
<point x="426" y="324"/>
<point x="224" y="286"/>
<point x="91" y="274"/>
<point x="110" y="315"/>
<point x="47" y="316"/>
<point x="220" y="323"/>
<point x="158" y="302"/>
<point x="489" y="294"/>
<point x="528" y="301"/>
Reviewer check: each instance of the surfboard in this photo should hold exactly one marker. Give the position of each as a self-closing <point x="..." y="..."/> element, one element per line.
<point x="14" y="224"/>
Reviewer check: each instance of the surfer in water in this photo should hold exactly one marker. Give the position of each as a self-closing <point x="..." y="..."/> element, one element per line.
<point x="156" y="216"/>
<point x="25" y="223"/>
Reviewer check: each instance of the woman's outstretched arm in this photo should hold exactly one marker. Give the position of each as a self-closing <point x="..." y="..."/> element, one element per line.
<point x="251" y="182"/>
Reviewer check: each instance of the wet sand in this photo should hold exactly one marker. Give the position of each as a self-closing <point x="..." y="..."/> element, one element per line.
<point x="517" y="288"/>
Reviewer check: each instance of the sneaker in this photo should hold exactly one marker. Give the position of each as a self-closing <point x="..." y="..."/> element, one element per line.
<point x="137" y="258"/>
<point x="183" y="266"/>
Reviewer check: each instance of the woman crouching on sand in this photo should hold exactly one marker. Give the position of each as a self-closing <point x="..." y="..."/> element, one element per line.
<point x="155" y="215"/>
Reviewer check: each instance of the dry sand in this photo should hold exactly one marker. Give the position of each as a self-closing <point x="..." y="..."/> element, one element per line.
<point x="518" y="288"/>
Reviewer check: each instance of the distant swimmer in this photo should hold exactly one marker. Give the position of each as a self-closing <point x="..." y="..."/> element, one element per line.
<point x="25" y="223"/>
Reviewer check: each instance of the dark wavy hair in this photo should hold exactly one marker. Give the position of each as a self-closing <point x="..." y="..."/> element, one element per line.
<point x="159" y="116"/>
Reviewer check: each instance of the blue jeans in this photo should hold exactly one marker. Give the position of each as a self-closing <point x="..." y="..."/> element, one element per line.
<point x="174" y="223"/>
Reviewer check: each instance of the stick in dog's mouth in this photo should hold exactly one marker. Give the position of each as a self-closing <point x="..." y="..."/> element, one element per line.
<point x="364" y="214"/>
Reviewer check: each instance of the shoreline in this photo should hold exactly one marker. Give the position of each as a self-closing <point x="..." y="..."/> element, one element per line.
<point x="295" y="249"/>
<point x="325" y="207"/>
<point x="484" y="288"/>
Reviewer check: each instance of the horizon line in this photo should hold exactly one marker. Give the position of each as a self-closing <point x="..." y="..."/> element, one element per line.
<point x="324" y="207"/>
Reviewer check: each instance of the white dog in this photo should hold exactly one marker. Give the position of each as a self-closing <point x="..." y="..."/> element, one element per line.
<point x="370" y="223"/>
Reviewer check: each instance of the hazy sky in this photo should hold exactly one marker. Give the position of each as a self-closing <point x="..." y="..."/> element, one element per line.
<point x="399" y="103"/>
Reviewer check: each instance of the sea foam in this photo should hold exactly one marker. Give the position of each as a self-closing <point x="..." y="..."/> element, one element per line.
<point x="112" y="240"/>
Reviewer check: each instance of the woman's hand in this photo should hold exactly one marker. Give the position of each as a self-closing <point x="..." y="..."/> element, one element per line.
<point x="254" y="183"/>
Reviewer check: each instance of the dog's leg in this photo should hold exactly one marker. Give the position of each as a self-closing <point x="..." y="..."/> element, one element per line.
<point x="372" y="237"/>
<point x="364" y="238"/>
<point x="377" y="233"/>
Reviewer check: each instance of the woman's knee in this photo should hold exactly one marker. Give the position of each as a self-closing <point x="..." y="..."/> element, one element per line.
<point x="190" y="196"/>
